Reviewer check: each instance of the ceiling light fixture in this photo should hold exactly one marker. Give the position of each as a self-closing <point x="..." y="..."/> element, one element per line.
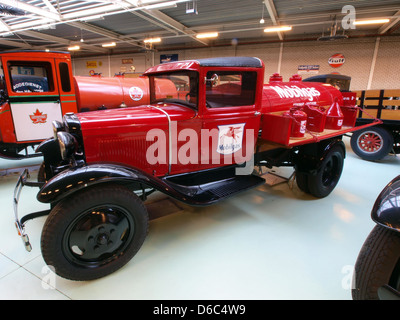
<point x="262" y="15"/>
<point x="74" y="48"/>
<point x="168" y="4"/>
<point x="207" y="35"/>
<point x="107" y="45"/>
<point x="152" y="40"/>
<point x="278" y="29"/>
<point x="365" y="22"/>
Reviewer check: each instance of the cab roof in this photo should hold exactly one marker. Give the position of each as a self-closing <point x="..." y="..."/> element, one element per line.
<point x="233" y="62"/>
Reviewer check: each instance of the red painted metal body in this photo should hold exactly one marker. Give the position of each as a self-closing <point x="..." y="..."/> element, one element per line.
<point x="120" y="136"/>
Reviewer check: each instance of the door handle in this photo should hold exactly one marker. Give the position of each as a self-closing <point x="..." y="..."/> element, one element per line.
<point x="257" y="113"/>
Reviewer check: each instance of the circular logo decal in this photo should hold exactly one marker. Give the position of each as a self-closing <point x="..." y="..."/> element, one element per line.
<point x="337" y="60"/>
<point x="135" y="93"/>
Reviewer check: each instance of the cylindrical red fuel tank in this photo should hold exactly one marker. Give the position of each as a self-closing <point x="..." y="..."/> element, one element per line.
<point x="281" y="96"/>
<point x="299" y="123"/>
<point x="94" y="93"/>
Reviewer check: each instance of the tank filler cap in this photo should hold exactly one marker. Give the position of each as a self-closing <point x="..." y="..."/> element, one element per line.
<point x="276" y="77"/>
<point x="296" y="78"/>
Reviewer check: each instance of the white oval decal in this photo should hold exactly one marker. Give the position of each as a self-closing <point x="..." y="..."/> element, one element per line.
<point x="135" y="93"/>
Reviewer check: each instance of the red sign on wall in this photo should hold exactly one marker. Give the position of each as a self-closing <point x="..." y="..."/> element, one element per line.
<point x="337" y="60"/>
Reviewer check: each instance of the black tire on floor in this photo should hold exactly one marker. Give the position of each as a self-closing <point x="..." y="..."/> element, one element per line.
<point x="322" y="183"/>
<point x="302" y="181"/>
<point x="94" y="232"/>
<point x="372" y="143"/>
<point x="378" y="264"/>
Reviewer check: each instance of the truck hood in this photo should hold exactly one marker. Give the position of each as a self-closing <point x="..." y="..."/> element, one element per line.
<point x="134" y="116"/>
<point x="123" y="135"/>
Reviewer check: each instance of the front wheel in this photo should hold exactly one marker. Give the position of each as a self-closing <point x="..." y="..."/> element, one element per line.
<point x="378" y="264"/>
<point x="94" y="232"/>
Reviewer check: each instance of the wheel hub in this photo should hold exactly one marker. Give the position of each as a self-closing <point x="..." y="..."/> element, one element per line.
<point x="370" y="142"/>
<point x="99" y="234"/>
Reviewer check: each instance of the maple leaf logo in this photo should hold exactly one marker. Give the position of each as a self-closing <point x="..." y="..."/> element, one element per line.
<point x="38" y="117"/>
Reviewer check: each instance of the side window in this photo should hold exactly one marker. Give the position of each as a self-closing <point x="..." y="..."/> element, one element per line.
<point x="64" y="77"/>
<point x="230" y="88"/>
<point x="27" y="76"/>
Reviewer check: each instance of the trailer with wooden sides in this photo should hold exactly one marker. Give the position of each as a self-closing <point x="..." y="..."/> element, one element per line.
<point x="374" y="143"/>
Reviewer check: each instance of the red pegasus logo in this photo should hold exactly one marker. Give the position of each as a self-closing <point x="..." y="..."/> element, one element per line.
<point x="38" y="117"/>
<point x="233" y="132"/>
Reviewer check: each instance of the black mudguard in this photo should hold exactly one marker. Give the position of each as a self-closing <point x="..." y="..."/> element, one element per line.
<point x="71" y="180"/>
<point x="390" y="217"/>
<point x="310" y="156"/>
<point x="50" y="149"/>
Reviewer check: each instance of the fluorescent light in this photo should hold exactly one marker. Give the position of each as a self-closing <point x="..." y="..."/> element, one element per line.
<point x="207" y="35"/>
<point x="377" y="21"/>
<point x="161" y="5"/>
<point x="111" y="44"/>
<point x="152" y="40"/>
<point x="74" y="48"/>
<point x="278" y="29"/>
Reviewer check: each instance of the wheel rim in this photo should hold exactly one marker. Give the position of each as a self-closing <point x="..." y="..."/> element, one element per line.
<point x="330" y="171"/>
<point x="98" y="235"/>
<point x="370" y="142"/>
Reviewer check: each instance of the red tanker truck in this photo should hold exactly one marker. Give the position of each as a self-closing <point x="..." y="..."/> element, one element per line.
<point x="38" y="87"/>
<point x="199" y="148"/>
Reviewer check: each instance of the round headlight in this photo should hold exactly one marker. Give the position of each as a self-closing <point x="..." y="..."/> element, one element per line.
<point x="57" y="126"/>
<point x="68" y="144"/>
<point x="386" y="210"/>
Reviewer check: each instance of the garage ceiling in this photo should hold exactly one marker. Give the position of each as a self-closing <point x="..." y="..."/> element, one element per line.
<point x="59" y="24"/>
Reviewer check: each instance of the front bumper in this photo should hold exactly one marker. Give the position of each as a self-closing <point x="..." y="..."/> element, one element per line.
<point x="20" y="223"/>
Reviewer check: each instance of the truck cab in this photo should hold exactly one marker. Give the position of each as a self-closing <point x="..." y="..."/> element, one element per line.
<point x="38" y="87"/>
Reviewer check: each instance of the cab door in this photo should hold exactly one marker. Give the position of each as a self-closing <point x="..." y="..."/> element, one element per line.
<point x="34" y="97"/>
<point x="66" y="85"/>
<point x="230" y="116"/>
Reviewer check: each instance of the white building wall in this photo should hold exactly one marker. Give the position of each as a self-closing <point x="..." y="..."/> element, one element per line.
<point x="284" y="57"/>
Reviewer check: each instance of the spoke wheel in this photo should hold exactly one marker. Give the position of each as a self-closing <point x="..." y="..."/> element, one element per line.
<point x="372" y="143"/>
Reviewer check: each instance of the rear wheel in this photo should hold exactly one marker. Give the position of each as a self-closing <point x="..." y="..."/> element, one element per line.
<point x="322" y="183"/>
<point x="94" y="232"/>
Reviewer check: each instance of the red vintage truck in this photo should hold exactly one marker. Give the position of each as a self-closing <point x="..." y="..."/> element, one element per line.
<point x="37" y="87"/>
<point x="197" y="145"/>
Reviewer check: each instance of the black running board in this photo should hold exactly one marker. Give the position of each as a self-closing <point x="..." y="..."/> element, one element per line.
<point x="212" y="186"/>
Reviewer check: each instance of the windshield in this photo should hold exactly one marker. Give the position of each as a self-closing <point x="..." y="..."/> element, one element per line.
<point x="177" y="87"/>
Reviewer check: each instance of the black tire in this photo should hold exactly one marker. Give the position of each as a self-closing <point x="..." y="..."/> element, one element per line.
<point x="94" y="232"/>
<point x="378" y="264"/>
<point x="372" y="143"/>
<point x="302" y="181"/>
<point x="322" y="183"/>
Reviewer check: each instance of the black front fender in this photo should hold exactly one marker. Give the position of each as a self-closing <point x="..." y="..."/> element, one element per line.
<point x="386" y="211"/>
<point x="72" y="180"/>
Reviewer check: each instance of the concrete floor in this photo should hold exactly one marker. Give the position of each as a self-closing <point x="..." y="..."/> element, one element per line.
<point x="268" y="243"/>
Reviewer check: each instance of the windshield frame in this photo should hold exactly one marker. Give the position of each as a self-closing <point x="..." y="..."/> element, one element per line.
<point x="181" y="87"/>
